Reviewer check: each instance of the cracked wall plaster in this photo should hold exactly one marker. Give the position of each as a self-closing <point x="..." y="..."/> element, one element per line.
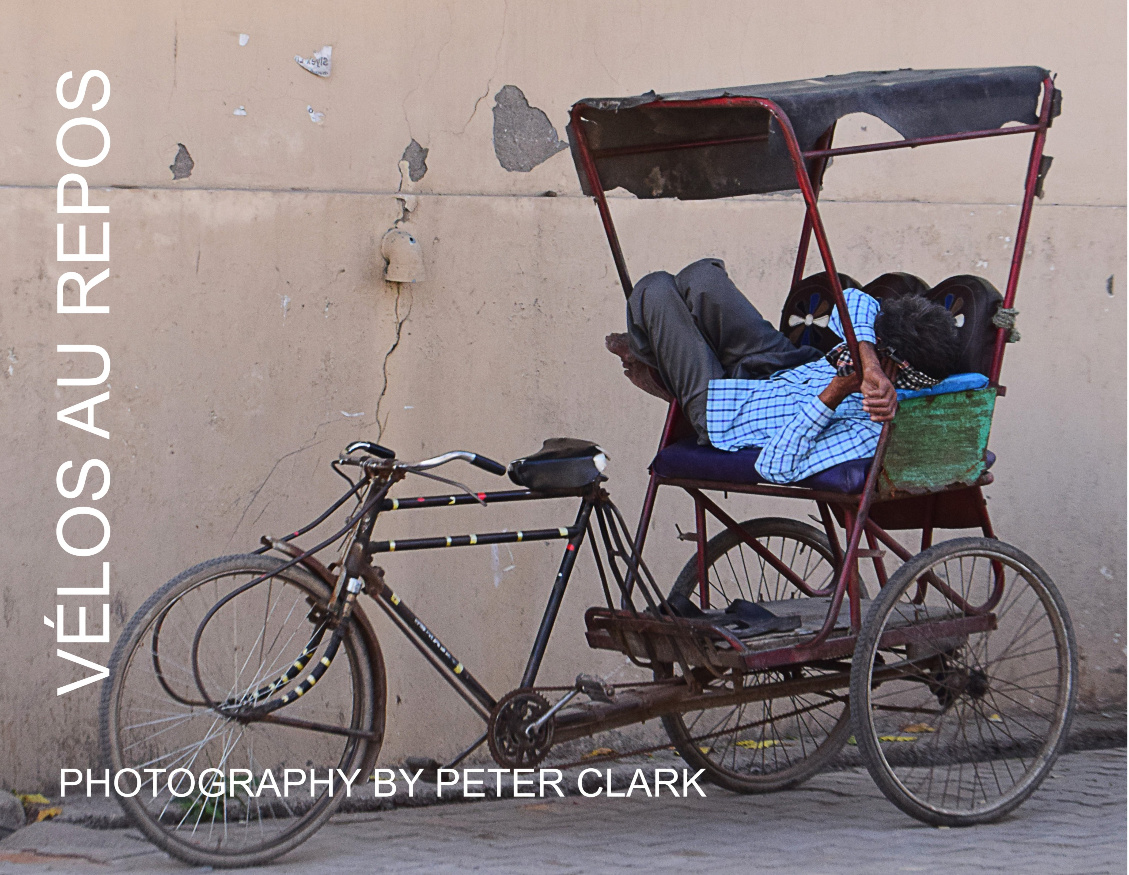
<point x="182" y="164"/>
<point x="416" y="156"/>
<point x="523" y="135"/>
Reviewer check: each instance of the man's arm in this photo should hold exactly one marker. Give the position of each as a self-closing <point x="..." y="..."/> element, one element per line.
<point x="879" y="398"/>
<point x="784" y="459"/>
<point x="813" y="440"/>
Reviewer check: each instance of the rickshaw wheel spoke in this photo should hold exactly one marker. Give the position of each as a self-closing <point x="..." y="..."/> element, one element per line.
<point x="964" y="731"/>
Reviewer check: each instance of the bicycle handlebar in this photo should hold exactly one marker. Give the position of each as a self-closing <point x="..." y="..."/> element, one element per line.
<point x="479" y="461"/>
<point x="371" y="448"/>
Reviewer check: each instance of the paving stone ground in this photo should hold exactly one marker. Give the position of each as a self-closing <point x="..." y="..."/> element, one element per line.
<point x="836" y="823"/>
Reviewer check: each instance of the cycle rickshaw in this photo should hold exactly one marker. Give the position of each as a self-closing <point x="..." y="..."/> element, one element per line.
<point x="955" y="670"/>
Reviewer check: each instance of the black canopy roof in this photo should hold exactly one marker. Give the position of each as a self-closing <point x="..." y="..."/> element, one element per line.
<point x="916" y="103"/>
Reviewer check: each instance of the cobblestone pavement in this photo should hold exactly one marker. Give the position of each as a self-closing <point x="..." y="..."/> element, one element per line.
<point x="837" y="822"/>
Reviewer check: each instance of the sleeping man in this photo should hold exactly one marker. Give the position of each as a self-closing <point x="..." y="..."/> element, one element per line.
<point x="741" y="383"/>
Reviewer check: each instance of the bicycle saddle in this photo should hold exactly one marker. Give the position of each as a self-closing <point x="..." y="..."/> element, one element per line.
<point x="560" y="464"/>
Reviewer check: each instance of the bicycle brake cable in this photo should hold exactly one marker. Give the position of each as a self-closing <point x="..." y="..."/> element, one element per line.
<point x="461" y="486"/>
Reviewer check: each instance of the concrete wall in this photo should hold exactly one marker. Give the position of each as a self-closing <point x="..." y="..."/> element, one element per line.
<point x="249" y="323"/>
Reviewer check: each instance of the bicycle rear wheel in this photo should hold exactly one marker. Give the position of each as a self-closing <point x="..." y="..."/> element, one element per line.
<point x="960" y="712"/>
<point x="776" y="743"/>
<point x="214" y="803"/>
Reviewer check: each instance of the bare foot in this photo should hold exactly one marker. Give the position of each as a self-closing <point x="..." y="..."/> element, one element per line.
<point x="639" y="373"/>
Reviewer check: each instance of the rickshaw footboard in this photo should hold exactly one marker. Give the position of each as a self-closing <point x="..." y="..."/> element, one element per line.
<point x="650" y="640"/>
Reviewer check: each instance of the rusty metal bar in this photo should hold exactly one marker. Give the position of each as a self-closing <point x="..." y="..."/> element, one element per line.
<point x="700" y="534"/>
<point x="597" y="188"/>
<point x="1024" y="222"/>
<point x="776" y="490"/>
<point x="819" y="166"/>
<point x="643" y="704"/>
<point x="616" y="151"/>
<point x="919" y="141"/>
<point x="831" y="531"/>
<point x="879" y="564"/>
<point x="760" y="549"/>
<point x="853" y="538"/>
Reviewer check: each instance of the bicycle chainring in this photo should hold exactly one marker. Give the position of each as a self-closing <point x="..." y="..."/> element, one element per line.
<point x="510" y="744"/>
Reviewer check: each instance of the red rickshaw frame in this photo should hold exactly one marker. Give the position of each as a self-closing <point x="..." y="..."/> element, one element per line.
<point x="853" y="508"/>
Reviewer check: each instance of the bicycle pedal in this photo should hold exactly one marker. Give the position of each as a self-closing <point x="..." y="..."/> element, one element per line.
<point x="595" y="688"/>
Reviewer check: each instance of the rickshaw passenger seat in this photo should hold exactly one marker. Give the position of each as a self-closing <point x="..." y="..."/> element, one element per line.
<point x="687" y="460"/>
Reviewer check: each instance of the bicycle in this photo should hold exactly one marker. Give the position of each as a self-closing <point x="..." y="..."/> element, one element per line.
<point x="958" y="679"/>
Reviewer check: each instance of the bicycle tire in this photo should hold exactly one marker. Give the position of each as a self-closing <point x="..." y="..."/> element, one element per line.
<point x="756" y="747"/>
<point x="153" y="715"/>
<point x="955" y="731"/>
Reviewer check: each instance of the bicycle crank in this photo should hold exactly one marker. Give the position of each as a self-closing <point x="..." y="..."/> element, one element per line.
<point x="515" y="741"/>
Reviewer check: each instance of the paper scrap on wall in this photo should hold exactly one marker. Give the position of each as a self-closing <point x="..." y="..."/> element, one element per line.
<point x="320" y="63"/>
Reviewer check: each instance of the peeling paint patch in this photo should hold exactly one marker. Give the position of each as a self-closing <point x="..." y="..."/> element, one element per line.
<point x="320" y="63"/>
<point x="182" y="164"/>
<point x="244" y="38"/>
<point x="496" y="563"/>
<point x="240" y="110"/>
<point x="316" y="117"/>
<point x="523" y="135"/>
<point x="416" y="156"/>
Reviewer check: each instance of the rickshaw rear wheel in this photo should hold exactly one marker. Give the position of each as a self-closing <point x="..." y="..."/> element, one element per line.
<point x="960" y="728"/>
<point x="759" y="747"/>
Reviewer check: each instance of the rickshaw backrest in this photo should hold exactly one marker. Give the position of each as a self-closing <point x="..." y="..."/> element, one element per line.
<point x="972" y="300"/>
<point x="807" y="311"/>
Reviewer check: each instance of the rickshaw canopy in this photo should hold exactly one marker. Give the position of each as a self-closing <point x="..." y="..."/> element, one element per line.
<point x="667" y="145"/>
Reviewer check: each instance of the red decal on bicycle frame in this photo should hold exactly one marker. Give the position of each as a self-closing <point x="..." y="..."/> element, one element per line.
<point x="571" y="547"/>
<point x="482" y="496"/>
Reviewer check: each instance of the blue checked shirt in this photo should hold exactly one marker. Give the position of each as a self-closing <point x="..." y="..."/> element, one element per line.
<point x="798" y="435"/>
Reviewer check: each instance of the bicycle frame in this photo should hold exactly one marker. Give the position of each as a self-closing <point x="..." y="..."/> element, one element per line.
<point x="358" y="549"/>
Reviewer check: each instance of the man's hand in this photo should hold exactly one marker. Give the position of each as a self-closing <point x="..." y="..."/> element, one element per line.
<point x="879" y="398"/>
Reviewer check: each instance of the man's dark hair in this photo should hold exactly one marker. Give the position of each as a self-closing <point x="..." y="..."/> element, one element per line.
<point x="921" y="332"/>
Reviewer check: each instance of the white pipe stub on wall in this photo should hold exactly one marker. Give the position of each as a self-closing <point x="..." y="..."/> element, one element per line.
<point x="404" y="256"/>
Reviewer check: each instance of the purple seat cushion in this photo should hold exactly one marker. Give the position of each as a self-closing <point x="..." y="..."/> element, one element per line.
<point x="687" y="460"/>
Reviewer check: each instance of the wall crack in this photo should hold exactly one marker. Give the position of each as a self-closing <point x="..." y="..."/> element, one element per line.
<point x="380" y="424"/>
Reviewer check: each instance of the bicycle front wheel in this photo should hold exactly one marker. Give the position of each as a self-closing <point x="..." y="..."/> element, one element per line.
<point x="963" y="682"/>
<point x="212" y="772"/>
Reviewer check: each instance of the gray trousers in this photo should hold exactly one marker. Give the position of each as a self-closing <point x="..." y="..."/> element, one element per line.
<point x="696" y="327"/>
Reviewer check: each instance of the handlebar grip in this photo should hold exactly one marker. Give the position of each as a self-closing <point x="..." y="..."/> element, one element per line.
<point x="371" y="448"/>
<point x="488" y="465"/>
